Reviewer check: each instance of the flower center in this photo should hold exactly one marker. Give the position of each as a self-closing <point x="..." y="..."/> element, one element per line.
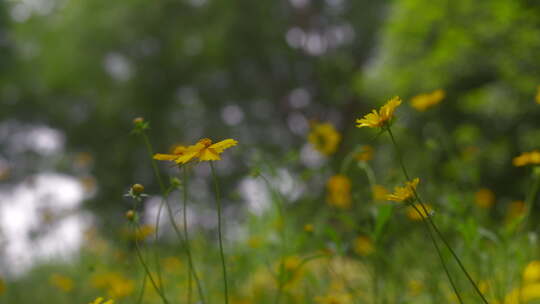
<point x="206" y="142"/>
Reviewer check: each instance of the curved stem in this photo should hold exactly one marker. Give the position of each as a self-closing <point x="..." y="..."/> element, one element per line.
<point x="141" y="294"/>
<point x="220" y="236"/>
<point x="430" y="221"/>
<point x="191" y="268"/>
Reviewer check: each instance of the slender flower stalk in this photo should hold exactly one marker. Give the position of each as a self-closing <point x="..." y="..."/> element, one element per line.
<point x="220" y="235"/>
<point x="430" y="221"/>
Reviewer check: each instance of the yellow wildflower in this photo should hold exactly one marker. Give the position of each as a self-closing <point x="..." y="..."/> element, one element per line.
<point x="363" y="246"/>
<point x="404" y="193"/>
<point x="204" y="150"/>
<point x="383" y="116"/>
<point x="61" y="282"/>
<point x="100" y="301"/>
<point x="255" y="242"/>
<point x="527" y="158"/>
<point x="365" y="154"/>
<point x="484" y="198"/>
<point x="324" y="138"/>
<point x="415" y="288"/>
<point x="413" y="215"/>
<point x="309" y="228"/>
<point x="172" y="264"/>
<point x="116" y="285"/>
<point x="538" y="95"/>
<point x="379" y="192"/>
<point x="531" y="273"/>
<point x="425" y="101"/>
<point x="339" y="191"/>
<point x="515" y="210"/>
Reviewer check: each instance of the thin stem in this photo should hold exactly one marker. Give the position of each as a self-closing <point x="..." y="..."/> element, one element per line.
<point x="191" y="268"/>
<point x="220" y="236"/>
<point x="165" y="200"/>
<point x="531" y="196"/>
<point x="439" y="253"/>
<point x="147" y="270"/>
<point x="437" y="231"/>
<point x="141" y="294"/>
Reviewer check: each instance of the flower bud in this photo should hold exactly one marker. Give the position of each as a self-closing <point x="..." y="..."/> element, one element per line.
<point x="137" y="189"/>
<point x="138" y="120"/>
<point x="130" y="215"/>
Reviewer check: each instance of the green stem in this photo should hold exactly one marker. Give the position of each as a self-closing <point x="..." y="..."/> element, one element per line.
<point x="191" y="268"/>
<point x="220" y="236"/>
<point x="141" y="294"/>
<point x="531" y="196"/>
<point x="147" y="270"/>
<point x="437" y="231"/>
<point x="165" y="201"/>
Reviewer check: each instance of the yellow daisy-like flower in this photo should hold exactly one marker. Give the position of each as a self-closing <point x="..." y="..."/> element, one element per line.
<point x="404" y="193"/>
<point x="531" y="273"/>
<point x="527" y="158"/>
<point x="377" y="119"/>
<point x="100" y="301"/>
<point x="324" y="137"/>
<point x="413" y="215"/>
<point x="339" y="191"/>
<point x="425" y="101"/>
<point x="204" y="150"/>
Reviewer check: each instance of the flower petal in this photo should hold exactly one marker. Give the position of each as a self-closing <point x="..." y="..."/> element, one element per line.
<point x="224" y="144"/>
<point x="167" y="157"/>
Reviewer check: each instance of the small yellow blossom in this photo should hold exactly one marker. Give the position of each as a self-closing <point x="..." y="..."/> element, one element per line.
<point x="379" y="192"/>
<point x="137" y="188"/>
<point x="363" y="246"/>
<point x="537" y="98"/>
<point x="365" y="154"/>
<point x="324" y="138"/>
<point x="415" y="288"/>
<point x="404" y="193"/>
<point x="425" y="101"/>
<point x="527" y="158"/>
<point x="484" y="198"/>
<point x="61" y="282"/>
<point x="531" y="273"/>
<point x="100" y="301"/>
<point x="204" y="150"/>
<point x="115" y="284"/>
<point x="339" y="191"/>
<point x="377" y="119"/>
<point x="413" y="215"/>
<point x="309" y="228"/>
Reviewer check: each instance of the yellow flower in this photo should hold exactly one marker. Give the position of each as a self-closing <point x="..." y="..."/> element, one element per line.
<point x="379" y="192"/>
<point x="527" y="158"/>
<point x="116" y="285"/>
<point x="363" y="246"/>
<point x="365" y="154"/>
<point x="484" y="198"/>
<point x="415" y="288"/>
<point x="100" y="301"/>
<point x="531" y="273"/>
<point x="339" y="191"/>
<point x="324" y="138"/>
<point x="204" y="150"/>
<point x="379" y="119"/>
<point x="413" y="215"/>
<point x="538" y="95"/>
<point x="515" y="210"/>
<point x="61" y="282"/>
<point x="309" y="228"/>
<point x="404" y="193"/>
<point x="423" y="102"/>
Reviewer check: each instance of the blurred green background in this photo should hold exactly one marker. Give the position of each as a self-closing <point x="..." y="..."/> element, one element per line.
<point x="74" y="74"/>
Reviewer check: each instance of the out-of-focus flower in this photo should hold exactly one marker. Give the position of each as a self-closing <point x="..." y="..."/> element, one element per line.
<point x="324" y="138"/>
<point x="137" y="188"/>
<point x="537" y="98"/>
<point x="100" y="301"/>
<point x="527" y="158"/>
<point x="339" y="191"/>
<point x="365" y="154"/>
<point x="172" y="264"/>
<point x="515" y="210"/>
<point x="484" y="198"/>
<point x="415" y="288"/>
<point x="204" y="150"/>
<point x="61" y="282"/>
<point x="413" y="214"/>
<point x="130" y="215"/>
<point x="255" y="242"/>
<point x="379" y="192"/>
<point x="531" y="273"/>
<point x="309" y="228"/>
<point x="404" y="193"/>
<point x="363" y="246"/>
<point x="377" y="119"/>
<point x="115" y="284"/>
<point x="425" y="101"/>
